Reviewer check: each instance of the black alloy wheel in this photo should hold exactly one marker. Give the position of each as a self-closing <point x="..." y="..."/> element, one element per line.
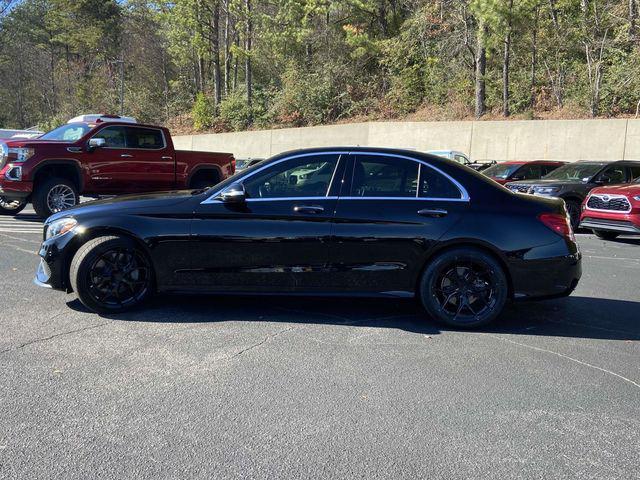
<point x="11" y="207"/>
<point x="464" y="287"/>
<point x="111" y="274"/>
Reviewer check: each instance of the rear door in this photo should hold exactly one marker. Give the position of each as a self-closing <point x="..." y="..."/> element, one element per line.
<point x="390" y="212"/>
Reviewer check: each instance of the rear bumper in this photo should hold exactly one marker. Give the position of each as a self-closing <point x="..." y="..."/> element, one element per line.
<point x="629" y="224"/>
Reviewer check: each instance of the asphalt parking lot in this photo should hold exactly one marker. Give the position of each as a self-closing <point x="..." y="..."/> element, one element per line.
<point x="299" y="388"/>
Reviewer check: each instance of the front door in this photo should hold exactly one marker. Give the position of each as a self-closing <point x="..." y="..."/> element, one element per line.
<point x="390" y="212"/>
<point x="278" y="238"/>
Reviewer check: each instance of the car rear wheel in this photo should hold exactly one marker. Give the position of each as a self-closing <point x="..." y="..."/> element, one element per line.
<point x="605" y="235"/>
<point x="464" y="287"/>
<point x="11" y="207"/>
<point x="573" y="208"/>
<point x="111" y="274"/>
<point x="54" y="195"/>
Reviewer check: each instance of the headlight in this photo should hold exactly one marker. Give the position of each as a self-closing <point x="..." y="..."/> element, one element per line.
<point x="20" y="155"/>
<point x="60" y="227"/>
<point x="637" y="197"/>
<point x="4" y="153"/>
<point x="545" y="190"/>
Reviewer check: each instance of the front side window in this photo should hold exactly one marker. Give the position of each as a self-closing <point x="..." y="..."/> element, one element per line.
<point x="461" y="159"/>
<point x="528" y="171"/>
<point x="114" y="137"/>
<point x="634" y="173"/>
<point x="501" y="170"/>
<point x="613" y="175"/>
<point x="379" y="176"/>
<point x="308" y="176"/>
<point x="145" y="138"/>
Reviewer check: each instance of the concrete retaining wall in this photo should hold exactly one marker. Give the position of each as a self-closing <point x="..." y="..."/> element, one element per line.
<point x="496" y="140"/>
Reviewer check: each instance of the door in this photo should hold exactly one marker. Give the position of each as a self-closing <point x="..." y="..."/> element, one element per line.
<point x="389" y="214"/>
<point x="133" y="159"/>
<point x="277" y="239"/>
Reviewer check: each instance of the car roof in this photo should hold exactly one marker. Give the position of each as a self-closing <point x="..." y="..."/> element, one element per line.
<point x="348" y="149"/>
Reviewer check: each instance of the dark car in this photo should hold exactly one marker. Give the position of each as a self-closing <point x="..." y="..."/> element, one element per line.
<point x="505" y="172"/>
<point x="383" y="222"/>
<point x="574" y="181"/>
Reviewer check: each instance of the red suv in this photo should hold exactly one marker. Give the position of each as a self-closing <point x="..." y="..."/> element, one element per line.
<point x="613" y="210"/>
<point x="504" y="172"/>
<point x="97" y="155"/>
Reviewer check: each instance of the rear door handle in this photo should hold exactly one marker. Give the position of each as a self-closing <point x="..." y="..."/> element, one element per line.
<point x="308" y="209"/>
<point x="167" y="158"/>
<point x="432" y="212"/>
<point x="126" y="155"/>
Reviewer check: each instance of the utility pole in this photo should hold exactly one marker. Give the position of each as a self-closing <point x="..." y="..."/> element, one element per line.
<point x="121" y="100"/>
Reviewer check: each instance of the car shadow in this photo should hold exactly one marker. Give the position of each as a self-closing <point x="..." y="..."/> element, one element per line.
<point x="574" y="316"/>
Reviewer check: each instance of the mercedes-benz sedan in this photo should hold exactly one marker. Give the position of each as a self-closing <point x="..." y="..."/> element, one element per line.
<point x="330" y="221"/>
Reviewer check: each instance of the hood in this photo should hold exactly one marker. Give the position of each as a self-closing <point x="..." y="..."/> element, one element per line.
<point x="624" y="189"/>
<point x="127" y="202"/>
<point x="32" y="143"/>
<point x="550" y="182"/>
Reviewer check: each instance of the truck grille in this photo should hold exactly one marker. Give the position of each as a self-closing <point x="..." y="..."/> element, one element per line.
<point x="618" y="203"/>
<point x="519" y="188"/>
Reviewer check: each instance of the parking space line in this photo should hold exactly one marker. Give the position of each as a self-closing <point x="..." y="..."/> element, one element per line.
<point x="566" y="357"/>
<point x="20" y="239"/>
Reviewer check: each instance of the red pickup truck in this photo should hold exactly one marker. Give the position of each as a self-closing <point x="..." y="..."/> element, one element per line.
<point x="97" y="155"/>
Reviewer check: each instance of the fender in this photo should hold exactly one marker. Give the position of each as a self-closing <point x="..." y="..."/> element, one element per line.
<point x="61" y="161"/>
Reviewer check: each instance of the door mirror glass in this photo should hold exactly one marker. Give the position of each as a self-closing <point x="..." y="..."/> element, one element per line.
<point x="233" y="194"/>
<point x="96" y="143"/>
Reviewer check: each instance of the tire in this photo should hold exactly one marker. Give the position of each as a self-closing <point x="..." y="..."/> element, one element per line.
<point x="464" y="287"/>
<point x="605" y="235"/>
<point x="54" y="195"/>
<point x="111" y="274"/>
<point x="573" y="208"/>
<point x="12" y="207"/>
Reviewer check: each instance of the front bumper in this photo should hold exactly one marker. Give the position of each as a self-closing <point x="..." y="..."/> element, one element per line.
<point x="15" y="190"/>
<point x="625" y="224"/>
<point x="54" y="258"/>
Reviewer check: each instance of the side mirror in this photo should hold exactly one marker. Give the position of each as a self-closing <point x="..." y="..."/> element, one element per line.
<point x="96" y="143"/>
<point x="233" y="194"/>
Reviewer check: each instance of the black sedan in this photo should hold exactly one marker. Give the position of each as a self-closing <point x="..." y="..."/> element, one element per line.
<point x="331" y="221"/>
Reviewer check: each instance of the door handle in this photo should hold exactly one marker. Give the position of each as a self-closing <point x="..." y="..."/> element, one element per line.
<point x="126" y="155"/>
<point x="167" y="158"/>
<point x="432" y="212"/>
<point x="308" y="209"/>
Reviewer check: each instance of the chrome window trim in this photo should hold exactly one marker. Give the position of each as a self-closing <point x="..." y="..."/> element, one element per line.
<point x="464" y="195"/>
<point x="463" y="191"/>
<point x="213" y="197"/>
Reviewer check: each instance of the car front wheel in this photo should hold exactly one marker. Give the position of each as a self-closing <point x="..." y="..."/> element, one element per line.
<point x="11" y="207"/>
<point x="54" y="195"/>
<point x="464" y="287"/>
<point x="111" y="274"/>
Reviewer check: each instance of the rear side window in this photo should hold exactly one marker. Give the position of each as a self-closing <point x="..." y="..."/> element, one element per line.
<point x="145" y="138"/>
<point x="634" y="172"/>
<point x="528" y="171"/>
<point x="114" y="137"/>
<point x="380" y="176"/>
<point x="435" y="185"/>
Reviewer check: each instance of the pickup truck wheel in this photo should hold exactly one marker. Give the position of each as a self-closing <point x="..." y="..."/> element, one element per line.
<point x="54" y="195"/>
<point x="11" y="207"/>
<point x="111" y="274"/>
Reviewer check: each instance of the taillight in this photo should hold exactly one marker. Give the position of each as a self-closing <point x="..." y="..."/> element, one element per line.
<point x="559" y="223"/>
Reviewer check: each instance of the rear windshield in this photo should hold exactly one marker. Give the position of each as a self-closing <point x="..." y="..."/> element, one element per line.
<point x="575" y="171"/>
<point x="501" y="170"/>
<point x="69" y="132"/>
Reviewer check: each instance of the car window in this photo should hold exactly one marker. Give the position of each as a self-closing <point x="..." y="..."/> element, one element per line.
<point x="113" y="136"/>
<point x="145" y="138"/>
<point x="634" y="173"/>
<point x="460" y="159"/>
<point x="435" y="185"/>
<point x="548" y="169"/>
<point x="380" y="176"/>
<point x="308" y="176"/>
<point x="528" y="171"/>
<point x="613" y="174"/>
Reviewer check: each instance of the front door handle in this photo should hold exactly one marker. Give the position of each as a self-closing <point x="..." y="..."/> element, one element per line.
<point x="308" y="209"/>
<point x="126" y="155"/>
<point x="432" y="212"/>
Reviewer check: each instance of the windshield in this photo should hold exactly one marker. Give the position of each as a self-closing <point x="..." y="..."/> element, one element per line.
<point x="70" y="132"/>
<point x="501" y="170"/>
<point x="576" y="171"/>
